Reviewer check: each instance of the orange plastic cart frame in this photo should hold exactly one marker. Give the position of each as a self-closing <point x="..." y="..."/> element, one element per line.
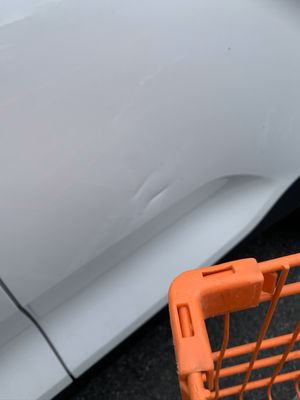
<point x="199" y="294"/>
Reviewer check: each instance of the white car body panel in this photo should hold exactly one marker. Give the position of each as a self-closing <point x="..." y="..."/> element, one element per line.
<point x="138" y="139"/>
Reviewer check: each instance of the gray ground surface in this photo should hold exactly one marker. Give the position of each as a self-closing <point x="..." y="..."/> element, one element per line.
<point x="143" y="367"/>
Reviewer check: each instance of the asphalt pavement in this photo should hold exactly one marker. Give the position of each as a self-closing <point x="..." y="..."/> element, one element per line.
<point x="143" y="367"/>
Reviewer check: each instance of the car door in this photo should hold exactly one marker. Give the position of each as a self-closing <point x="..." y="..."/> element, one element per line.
<point x="137" y="140"/>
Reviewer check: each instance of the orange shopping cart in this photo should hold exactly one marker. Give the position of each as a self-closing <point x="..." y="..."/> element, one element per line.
<point x="221" y="290"/>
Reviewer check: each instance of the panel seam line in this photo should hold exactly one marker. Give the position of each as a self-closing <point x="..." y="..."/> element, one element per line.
<point x="24" y="311"/>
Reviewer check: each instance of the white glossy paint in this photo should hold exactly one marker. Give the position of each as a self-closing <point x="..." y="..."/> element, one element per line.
<point x="17" y="10"/>
<point x="109" y="115"/>
<point x="117" y="121"/>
